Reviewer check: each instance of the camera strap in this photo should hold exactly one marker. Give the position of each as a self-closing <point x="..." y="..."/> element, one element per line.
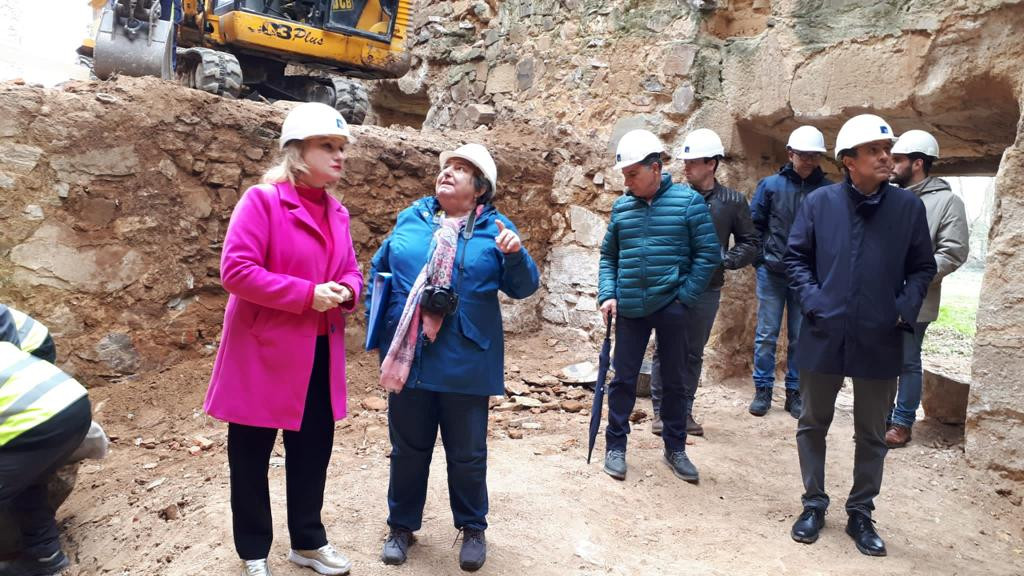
<point x="467" y="233"/>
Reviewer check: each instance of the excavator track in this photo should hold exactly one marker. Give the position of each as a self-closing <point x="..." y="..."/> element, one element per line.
<point x="210" y="70"/>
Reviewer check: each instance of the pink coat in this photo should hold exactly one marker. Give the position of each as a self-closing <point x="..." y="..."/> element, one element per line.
<point x="273" y="254"/>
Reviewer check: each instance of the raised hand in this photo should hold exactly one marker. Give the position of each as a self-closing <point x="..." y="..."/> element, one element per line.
<point x="507" y="240"/>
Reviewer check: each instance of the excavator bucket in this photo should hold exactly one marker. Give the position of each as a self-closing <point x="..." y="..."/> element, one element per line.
<point x="136" y="49"/>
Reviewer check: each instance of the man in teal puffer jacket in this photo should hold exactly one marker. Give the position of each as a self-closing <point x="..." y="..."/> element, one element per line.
<point x="657" y="258"/>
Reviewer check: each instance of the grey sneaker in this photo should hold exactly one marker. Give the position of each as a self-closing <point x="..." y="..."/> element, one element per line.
<point x="657" y="426"/>
<point x="325" y="560"/>
<point x="28" y="566"/>
<point x="615" y="464"/>
<point x="256" y="568"/>
<point x="681" y="466"/>
<point x="396" y="547"/>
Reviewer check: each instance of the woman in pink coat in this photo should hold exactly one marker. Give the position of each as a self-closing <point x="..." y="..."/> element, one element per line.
<point x="291" y="272"/>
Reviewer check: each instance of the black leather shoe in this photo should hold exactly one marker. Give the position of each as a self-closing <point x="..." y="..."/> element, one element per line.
<point x="861" y="528"/>
<point x="808" y="525"/>
<point x="474" y="550"/>
<point x="397" y="546"/>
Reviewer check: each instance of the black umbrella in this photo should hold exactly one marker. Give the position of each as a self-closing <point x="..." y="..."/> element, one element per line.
<point x="602" y="372"/>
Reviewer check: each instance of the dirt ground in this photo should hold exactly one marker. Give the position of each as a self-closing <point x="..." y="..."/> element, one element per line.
<point x="152" y="507"/>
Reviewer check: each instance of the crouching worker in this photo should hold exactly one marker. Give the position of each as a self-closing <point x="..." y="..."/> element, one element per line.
<point x="44" y="415"/>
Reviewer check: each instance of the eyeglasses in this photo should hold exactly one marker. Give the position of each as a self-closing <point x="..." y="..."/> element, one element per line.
<point x="807" y="155"/>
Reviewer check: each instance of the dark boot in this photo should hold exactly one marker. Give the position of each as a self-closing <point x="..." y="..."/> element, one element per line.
<point x="397" y="546"/>
<point x="474" y="550"/>
<point x="762" y="401"/>
<point x="794" y="403"/>
<point x="693" y="428"/>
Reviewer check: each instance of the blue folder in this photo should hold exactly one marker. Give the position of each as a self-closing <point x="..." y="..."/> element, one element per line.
<point x="378" y="309"/>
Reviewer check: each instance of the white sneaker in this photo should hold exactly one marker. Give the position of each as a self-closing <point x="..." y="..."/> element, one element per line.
<point x="256" y="568"/>
<point x="325" y="560"/>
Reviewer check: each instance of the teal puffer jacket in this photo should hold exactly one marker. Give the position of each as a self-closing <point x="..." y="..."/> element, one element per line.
<point x="656" y="252"/>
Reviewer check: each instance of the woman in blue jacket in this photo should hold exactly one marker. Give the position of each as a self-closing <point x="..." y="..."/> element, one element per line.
<point x="442" y="347"/>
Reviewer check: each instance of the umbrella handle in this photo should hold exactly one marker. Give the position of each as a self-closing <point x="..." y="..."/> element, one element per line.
<point x="608" y="328"/>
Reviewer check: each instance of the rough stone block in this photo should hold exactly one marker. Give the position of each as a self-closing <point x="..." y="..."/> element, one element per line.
<point x="502" y="79"/>
<point x="944" y="397"/>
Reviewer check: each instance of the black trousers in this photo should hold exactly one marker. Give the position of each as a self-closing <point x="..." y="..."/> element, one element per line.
<point x="414" y="417"/>
<point x="307" y="454"/>
<point x="631" y="337"/>
<point x="26" y="465"/>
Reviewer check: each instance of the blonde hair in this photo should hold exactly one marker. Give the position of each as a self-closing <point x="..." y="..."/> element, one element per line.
<point x="289" y="165"/>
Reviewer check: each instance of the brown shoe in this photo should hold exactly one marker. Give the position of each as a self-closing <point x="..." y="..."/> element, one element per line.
<point x="657" y="426"/>
<point x="897" y="436"/>
<point x="692" y="428"/>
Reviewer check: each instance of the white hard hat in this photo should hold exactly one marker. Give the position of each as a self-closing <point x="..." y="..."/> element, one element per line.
<point x="807" y="139"/>
<point x="313" y="119"/>
<point x="478" y="156"/>
<point x="917" y="141"/>
<point x="702" y="143"/>
<point x="634" y="146"/>
<point x="860" y="130"/>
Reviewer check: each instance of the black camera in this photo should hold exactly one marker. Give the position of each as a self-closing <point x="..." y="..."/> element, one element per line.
<point x="439" y="300"/>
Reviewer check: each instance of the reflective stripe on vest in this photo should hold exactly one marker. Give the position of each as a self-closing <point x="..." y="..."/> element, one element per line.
<point x="31" y="391"/>
<point x="32" y="334"/>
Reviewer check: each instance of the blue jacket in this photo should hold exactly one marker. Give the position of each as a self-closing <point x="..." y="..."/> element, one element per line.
<point x="861" y="266"/>
<point x="655" y="252"/>
<point x="468" y="355"/>
<point x="775" y="204"/>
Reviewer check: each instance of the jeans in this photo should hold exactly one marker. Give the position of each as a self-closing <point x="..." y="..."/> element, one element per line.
<point x="631" y="337"/>
<point x="698" y="330"/>
<point x="773" y="296"/>
<point x="908" y="395"/>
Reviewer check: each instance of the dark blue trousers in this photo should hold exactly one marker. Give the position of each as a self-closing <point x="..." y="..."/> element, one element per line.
<point x="631" y="337"/>
<point x="414" y="417"/>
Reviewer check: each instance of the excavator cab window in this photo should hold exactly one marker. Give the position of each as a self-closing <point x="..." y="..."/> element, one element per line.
<point x="370" y="18"/>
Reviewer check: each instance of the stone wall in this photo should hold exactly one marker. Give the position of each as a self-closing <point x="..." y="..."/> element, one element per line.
<point x="114" y="200"/>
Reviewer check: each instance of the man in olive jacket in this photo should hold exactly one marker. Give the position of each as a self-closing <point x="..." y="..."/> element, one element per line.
<point x="913" y="155"/>
<point x="657" y="258"/>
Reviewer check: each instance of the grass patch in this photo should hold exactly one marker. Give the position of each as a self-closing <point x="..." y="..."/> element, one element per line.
<point x="961" y="317"/>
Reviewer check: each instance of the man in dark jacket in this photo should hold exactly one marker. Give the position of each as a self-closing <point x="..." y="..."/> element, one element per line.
<point x="773" y="210"/>
<point x="657" y="257"/>
<point x="860" y="260"/>
<point x="702" y="153"/>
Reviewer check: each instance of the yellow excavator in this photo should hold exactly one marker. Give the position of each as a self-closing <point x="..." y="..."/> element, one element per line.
<point x="243" y="47"/>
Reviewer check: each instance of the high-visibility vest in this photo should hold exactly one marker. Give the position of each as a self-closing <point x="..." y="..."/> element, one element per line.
<point x="31" y="391"/>
<point x="31" y="333"/>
